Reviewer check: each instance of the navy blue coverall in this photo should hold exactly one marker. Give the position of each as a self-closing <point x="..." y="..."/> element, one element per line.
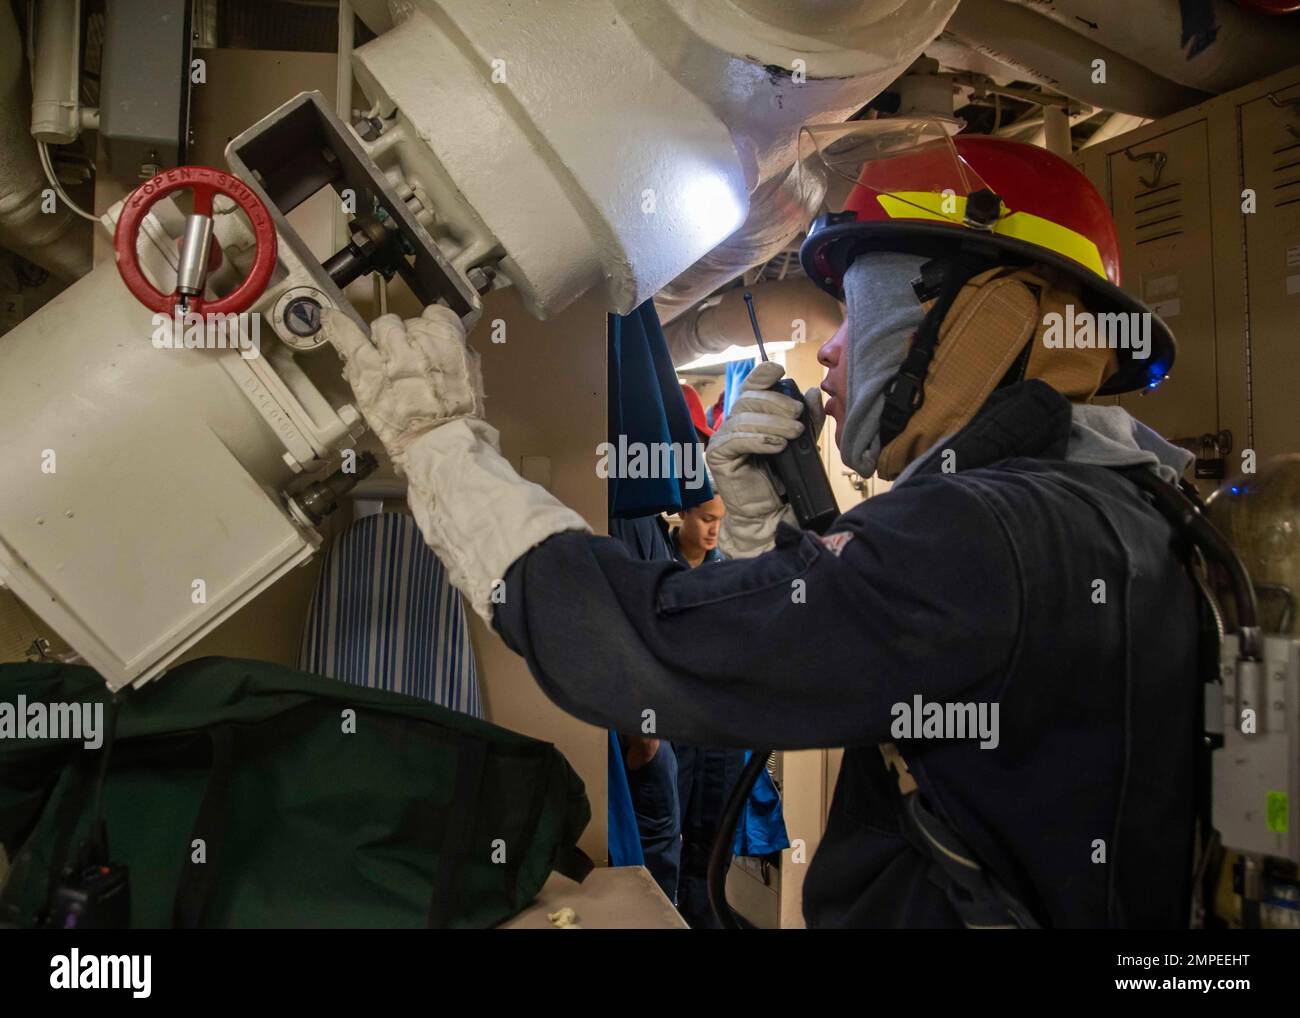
<point x="971" y="586"/>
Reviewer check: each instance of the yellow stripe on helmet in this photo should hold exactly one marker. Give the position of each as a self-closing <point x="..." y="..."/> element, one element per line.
<point x="951" y="208"/>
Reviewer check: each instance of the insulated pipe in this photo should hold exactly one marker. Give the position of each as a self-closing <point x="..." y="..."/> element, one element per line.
<point x="1053" y="55"/>
<point x="791" y="309"/>
<point x="778" y="212"/>
<point x="770" y="67"/>
<point x="56" y="89"/>
<point x="1230" y="48"/>
<point x="58" y="241"/>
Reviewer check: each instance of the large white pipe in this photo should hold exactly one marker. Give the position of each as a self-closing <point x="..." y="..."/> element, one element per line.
<point x="56" y="87"/>
<point x="58" y="241"/>
<point x="1236" y="46"/>
<point x="791" y="309"/>
<point x="1053" y="55"/>
<point x="684" y="110"/>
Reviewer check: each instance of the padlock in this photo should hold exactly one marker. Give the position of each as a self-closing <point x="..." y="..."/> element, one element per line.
<point x="1214" y="450"/>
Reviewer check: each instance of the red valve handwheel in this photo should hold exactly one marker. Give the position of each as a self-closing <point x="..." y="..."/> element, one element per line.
<point x="205" y="182"/>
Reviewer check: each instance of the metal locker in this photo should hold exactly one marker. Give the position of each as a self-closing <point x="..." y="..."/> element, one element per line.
<point x="1270" y="138"/>
<point x="1160" y="192"/>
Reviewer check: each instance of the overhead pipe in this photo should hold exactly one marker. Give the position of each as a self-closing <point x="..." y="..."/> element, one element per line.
<point x="1052" y="55"/>
<point x="767" y="68"/>
<point x="952" y="53"/>
<point x="57" y="241"/>
<point x="1033" y="121"/>
<point x="778" y="212"/>
<point x="1231" y="48"/>
<point x="1117" y="124"/>
<point x="770" y="67"/>
<point x="790" y="309"/>
<point x="741" y="59"/>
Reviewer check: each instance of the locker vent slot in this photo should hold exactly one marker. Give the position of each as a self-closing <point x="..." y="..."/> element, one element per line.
<point x="1286" y="174"/>
<point x="1158" y="213"/>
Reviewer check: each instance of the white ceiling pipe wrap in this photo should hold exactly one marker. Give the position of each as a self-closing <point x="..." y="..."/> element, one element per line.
<point x="1053" y="55"/>
<point x="1245" y="47"/>
<point x="789" y="310"/>
<point x="57" y="241"/>
<point x="740" y="57"/>
<point x="779" y="211"/>
<point x="543" y="131"/>
<point x="733" y="56"/>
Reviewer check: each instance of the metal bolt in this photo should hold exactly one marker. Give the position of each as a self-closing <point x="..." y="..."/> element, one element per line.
<point x="369" y="128"/>
<point x="481" y="278"/>
<point x="302" y="316"/>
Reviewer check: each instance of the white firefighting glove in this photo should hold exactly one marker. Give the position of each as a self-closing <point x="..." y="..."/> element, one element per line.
<point x="420" y="388"/>
<point x="415" y="376"/>
<point x="760" y="424"/>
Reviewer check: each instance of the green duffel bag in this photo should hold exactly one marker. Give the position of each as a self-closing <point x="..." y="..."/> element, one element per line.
<point x="244" y="794"/>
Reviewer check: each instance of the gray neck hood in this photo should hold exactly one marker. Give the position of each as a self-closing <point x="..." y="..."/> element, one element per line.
<point x="883" y="312"/>
<point x="1104" y="436"/>
<point x="1109" y="436"/>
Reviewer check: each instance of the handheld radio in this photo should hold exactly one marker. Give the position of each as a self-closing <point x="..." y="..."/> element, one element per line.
<point x="797" y="469"/>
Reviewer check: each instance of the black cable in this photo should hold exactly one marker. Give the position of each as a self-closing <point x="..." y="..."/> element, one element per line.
<point x="96" y="843"/>
<point x="1188" y="519"/>
<point x="720" y="854"/>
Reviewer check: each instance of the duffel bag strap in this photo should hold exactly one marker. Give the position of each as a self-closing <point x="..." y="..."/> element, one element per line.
<point x="197" y="879"/>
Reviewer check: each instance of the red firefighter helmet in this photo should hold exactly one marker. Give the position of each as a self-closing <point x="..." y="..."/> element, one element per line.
<point x="920" y="191"/>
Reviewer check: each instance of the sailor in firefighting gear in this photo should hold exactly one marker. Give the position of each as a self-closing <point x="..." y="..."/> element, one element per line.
<point x="1011" y="582"/>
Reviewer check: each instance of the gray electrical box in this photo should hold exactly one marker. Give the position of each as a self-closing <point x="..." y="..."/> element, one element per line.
<point x="1257" y="772"/>
<point x="145" y="86"/>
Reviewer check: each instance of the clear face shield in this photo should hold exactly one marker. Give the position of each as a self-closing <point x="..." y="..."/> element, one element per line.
<point x="909" y="164"/>
<point x="898" y="171"/>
